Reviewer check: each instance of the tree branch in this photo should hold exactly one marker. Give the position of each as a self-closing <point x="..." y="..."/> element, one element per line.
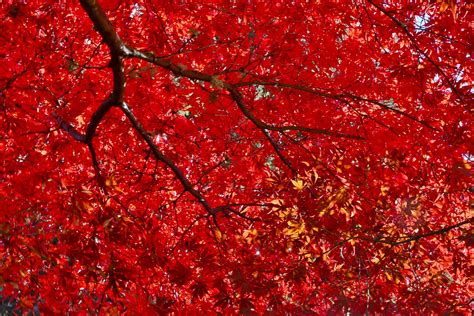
<point x="340" y="97"/>
<point x="406" y="239"/>
<point x="103" y="26"/>
<point x="418" y="49"/>
<point x="237" y="97"/>
<point x="161" y="157"/>
<point x="117" y="50"/>
<point x="69" y="128"/>
<point x="232" y="88"/>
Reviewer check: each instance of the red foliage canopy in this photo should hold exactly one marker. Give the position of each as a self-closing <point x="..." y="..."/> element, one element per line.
<point x="236" y="157"/>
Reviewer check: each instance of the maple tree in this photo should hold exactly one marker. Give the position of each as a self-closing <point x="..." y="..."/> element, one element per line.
<point x="236" y="157"/>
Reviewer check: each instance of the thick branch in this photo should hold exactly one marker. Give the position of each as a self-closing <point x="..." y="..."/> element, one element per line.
<point x="103" y="26"/>
<point x="236" y="96"/>
<point x="97" y="118"/>
<point x="232" y="88"/>
<point x="174" y="68"/>
<point x="117" y="50"/>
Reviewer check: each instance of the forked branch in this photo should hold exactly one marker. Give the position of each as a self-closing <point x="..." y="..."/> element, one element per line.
<point x="161" y="157"/>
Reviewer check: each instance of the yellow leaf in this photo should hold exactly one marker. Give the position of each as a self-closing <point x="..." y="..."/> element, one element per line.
<point x="322" y="212"/>
<point x="292" y="224"/>
<point x="249" y="235"/>
<point x="337" y="267"/>
<point x="312" y="176"/>
<point x="345" y="212"/>
<point x="126" y="219"/>
<point x="218" y="234"/>
<point x="278" y="202"/>
<point x="298" y="184"/>
<point x="87" y="206"/>
<point x="341" y="195"/>
<point x="443" y="7"/>
<point x="398" y="278"/>
<point x="295" y="229"/>
<point x="111" y="182"/>
<point x="84" y="206"/>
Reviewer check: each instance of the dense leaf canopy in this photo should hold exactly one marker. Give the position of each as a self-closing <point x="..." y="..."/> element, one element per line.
<point x="236" y="156"/>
